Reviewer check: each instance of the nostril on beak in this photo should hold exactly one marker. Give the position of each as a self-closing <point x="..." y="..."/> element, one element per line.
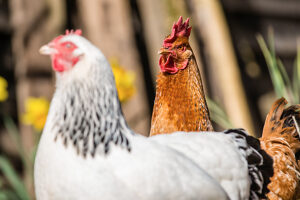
<point x="163" y="51"/>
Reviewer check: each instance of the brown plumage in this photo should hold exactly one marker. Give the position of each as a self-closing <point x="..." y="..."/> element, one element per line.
<point x="180" y="103"/>
<point x="280" y="139"/>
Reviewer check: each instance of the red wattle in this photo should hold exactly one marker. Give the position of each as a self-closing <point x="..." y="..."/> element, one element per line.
<point x="184" y="64"/>
<point x="168" y="66"/>
<point x="62" y="63"/>
<point x="56" y="65"/>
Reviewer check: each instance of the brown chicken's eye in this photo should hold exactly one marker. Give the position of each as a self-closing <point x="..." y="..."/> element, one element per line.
<point x="180" y="47"/>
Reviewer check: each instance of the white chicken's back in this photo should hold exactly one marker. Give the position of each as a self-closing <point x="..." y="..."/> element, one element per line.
<point x="149" y="171"/>
<point x="231" y="157"/>
<point x="216" y="153"/>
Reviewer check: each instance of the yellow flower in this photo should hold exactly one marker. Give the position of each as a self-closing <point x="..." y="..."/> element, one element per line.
<point x="3" y="89"/>
<point x="36" y="110"/>
<point x="124" y="81"/>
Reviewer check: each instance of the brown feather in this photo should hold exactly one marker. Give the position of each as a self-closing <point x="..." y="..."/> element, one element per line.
<point x="180" y="103"/>
<point x="280" y="140"/>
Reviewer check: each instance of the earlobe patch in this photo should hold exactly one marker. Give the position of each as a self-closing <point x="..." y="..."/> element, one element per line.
<point x="77" y="52"/>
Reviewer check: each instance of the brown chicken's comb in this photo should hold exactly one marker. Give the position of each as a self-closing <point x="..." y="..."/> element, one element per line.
<point x="179" y="29"/>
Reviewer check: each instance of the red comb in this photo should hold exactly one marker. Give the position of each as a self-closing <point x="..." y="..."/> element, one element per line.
<point x="76" y="32"/>
<point x="68" y="32"/>
<point x="179" y="29"/>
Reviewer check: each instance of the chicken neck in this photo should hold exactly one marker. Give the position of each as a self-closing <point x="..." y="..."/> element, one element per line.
<point x="180" y="103"/>
<point x="86" y="114"/>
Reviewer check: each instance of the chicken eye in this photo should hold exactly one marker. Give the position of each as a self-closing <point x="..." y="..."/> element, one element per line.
<point x="68" y="45"/>
<point x="180" y="47"/>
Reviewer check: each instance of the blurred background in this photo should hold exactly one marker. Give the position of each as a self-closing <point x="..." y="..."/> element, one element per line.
<point x="246" y="51"/>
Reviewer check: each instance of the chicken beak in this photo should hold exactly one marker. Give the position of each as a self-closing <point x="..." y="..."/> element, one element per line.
<point x="163" y="51"/>
<point x="47" y="50"/>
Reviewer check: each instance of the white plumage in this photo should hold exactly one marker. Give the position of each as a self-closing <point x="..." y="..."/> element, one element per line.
<point x="88" y="152"/>
<point x="133" y="168"/>
<point x="143" y="173"/>
<point x="218" y="154"/>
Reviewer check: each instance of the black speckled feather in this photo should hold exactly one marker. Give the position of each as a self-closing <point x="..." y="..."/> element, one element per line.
<point x="260" y="164"/>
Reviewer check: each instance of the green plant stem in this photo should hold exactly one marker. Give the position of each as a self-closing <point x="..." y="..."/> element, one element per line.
<point x="13" y="178"/>
<point x="15" y="136"/>
<point x="218" y="114"/>
<point x="27" y="158"/>
<point x="270" y="57"/>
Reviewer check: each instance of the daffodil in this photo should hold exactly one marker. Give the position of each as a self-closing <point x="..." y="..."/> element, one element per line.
<point x="36" y="110"/>
<point x="3" y="89"/>
<point x="124" y="81"/>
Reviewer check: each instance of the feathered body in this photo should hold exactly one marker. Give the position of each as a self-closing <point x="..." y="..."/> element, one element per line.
<point x="232" y="158"/>
<point x="180" y="103"/>
<point x="281" y="140"/>
<point x="87" y="150"/>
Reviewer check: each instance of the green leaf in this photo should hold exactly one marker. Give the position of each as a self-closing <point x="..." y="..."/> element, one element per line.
<point x="8" y="195"/>
<point x="285" y="81"/>
<point x="296" y="77"/>
<point x="16" y="137"/>
<point x="284" y="74"/>
<point x="13" y="178"/>
<point x="218" y="115"/>
<point x="271" y="61"/>
<point x="26" y="156"/>
<point x="271" y="41"/>
<point x="3" y="196"/>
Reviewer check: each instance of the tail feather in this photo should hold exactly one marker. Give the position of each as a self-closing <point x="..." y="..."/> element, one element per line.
<point x="280" y="139"/>
<point x="273" y="118"/>
<point x="283" y="124"/>
<point x="260" y="164"/>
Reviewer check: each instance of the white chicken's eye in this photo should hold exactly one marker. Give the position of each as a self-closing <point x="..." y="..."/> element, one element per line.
<point x="68" y="45"/>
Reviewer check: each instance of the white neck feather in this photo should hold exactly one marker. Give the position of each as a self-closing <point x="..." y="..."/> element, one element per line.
<point x="85" y="111"/>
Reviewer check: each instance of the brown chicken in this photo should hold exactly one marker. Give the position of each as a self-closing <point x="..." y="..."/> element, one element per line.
<point x="180" y="103"/>
<point x="280" y="139"/>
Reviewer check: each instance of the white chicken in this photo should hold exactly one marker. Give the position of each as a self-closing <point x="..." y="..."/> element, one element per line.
<point x="87" y="151"/>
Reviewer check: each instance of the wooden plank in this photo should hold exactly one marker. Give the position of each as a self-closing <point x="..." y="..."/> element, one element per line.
<point x="30" y="31"/>
<point x="107" y="23"/>
<point x="213" y="28"/>
<point x="275" y="8"/>
<point x="25" y="55"/>
<point x="158" y="17"/>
